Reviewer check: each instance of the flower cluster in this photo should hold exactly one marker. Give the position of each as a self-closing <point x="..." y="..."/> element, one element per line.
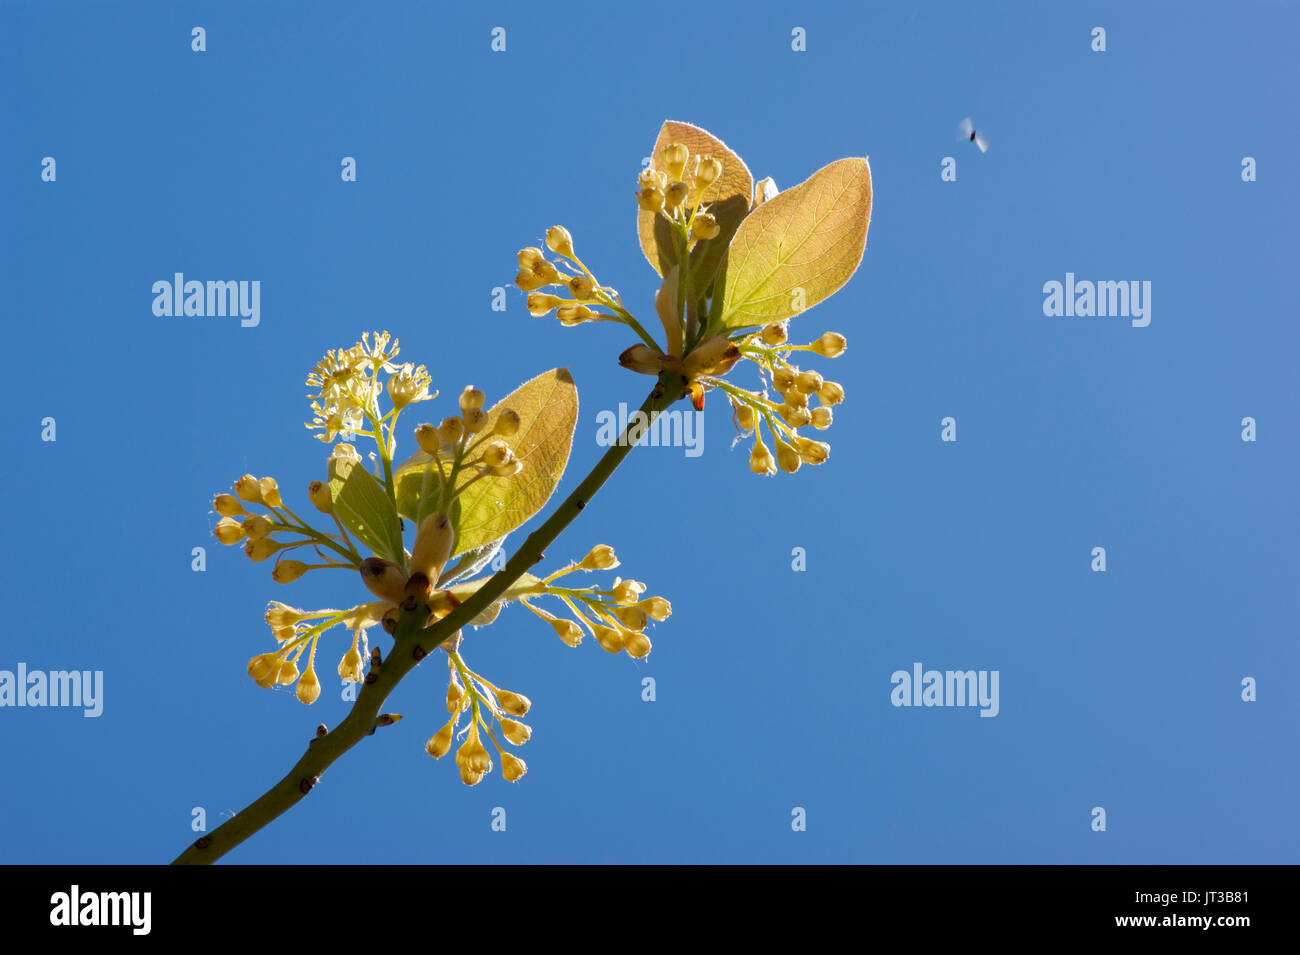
<point x="469" y="693"/>
<point x="347" y="387"/>
<point x="537" y="272"/>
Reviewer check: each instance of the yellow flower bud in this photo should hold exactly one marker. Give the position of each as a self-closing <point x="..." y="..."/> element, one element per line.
<point x="287" y="673"/>
<point x="451" y="429"/>
<point x="707" y="170"/>
<point x="263" y="669"/>
<point x="653" y="178"/>
<point x="627" y="592"/>
<point x="270" y="492"/>
<point x="582" y="287"/>
<point x="559" y="241"/>
<point x="634" y="618"/>
<point x="530" y="258"/>
<point x="350" y="666"/>
<point x="318" y="492"/>
<point x="309" y="687"/>
<point x="471" y="398"/>
<point x="507" y="423"/>
<point x="516" y="704"/>
<point x="539" y="303"/>
<point x="830" y="345"/>
<point x="746" y="418"/>
<point x="675" y="194"/>
<point x="642" y="359"/>
<point x="705" y="226"/>
<point x="440" y="742"/>
<point x="760" y="459"/>
<point x="473" y="755"/>
<point x="783" y="379"/>
<point x="637" y="646"/>
<point x="656" y="608"/>
<point x="282" y="634"/>
<point x="796" y="415"/>
<point x="548" y="273"/>
<point x="287" y="571"/>
<point x="568" y="631"/>
<point x="455" y="694"/>
<point x="432" y="547"/>
<point x="674" y="156"/>
<point x="282" y="615"/>
<point x="247" y="489"/>
<point x="774" y="334"/>
<point x="509" y="469"/>
<point x="830" y="393"/>
<point x="260" y="550"/>
<point x="813" y="452"/>
<point x="528" y="280"/>
<point x="821" y="418"/>
<point x="227" y="505"/>
<point x="228" y="531"/>
<point x="574" y="314"/>
<point x="512" y="767"/>
<point x="601" y="557"/>
<point x="256" y="527"/>
<point x="651" y="199"/>
<point x="714" y="356"/>
<point x="808" y="382"/>
<point x="787" y="457"/>
<point x="517" y="733"/>
<point x="476" y="420"/>
<point x="611" y="640"/>
<point x="427" y="437"/>
<point x="383" y="578"/>
<point x="496" y="453"/>
<point x="469" y="777"/>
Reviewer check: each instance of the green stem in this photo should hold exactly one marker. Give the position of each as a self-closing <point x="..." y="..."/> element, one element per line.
<point x="411" y="646"/>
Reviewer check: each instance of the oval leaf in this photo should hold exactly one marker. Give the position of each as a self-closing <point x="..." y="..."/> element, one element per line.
<point x="798" y="248"/>
<point x="493" y="507"/>
<point x="363" y="505"/>
<point x="728" y="198"/>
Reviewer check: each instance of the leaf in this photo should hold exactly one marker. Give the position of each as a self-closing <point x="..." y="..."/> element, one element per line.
<point x="471" y="562"/>
<point x="728" y="198"/>
<point x="808" y="238"/>
<point x="494" y="506"/>
<point x="364" y="506"/>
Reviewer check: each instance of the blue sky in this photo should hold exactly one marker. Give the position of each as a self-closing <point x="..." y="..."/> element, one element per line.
<point x="1119" y="689"/>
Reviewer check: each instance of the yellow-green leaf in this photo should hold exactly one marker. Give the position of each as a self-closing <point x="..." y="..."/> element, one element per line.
<point x="494" y="506"/>
<point x="798" y="248"/>
<point x="363" y="505"/>
<point x="728" y="198"/>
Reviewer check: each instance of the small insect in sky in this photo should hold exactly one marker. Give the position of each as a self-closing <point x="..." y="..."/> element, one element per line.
<point x="966" y="131"/>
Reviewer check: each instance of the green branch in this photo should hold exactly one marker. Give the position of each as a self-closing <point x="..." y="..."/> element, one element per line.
<point x="411" y="645"/>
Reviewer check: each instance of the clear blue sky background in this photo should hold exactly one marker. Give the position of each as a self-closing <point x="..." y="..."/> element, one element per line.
<point x="1119" y="690"/>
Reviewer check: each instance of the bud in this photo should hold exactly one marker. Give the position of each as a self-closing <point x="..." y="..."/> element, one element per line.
<point x="764" y="191"/>
<point x="440" y="742"/>
<point x="247" y="489"/>
<point x="512" y="767"/>
<point x="674" y="156"/>
<point x="774" y="334"/>
<point x="634" y="618"/>
<point x="469" y="777"/>
<point x="516" y="704"/>
<point x="813" y="452"/>
<point x="471" y="399"/>
<point x="455" y="693"/>
<point x="427" y="437"/>
<point x="761" y="460"/>
<point x="517" y="733"/>
<point x="530" y="258"/>
<point x="705" y="226"/>
<point x="287" y="673"/>
<point x="746" y="419"/>
<point x="539" y="303"/>
<point x="309" y="687"/>
<point x="830" y="393"/>
<point x="282" y="615"/>
<point x="650" y="199"/>
<point x="808" y="382"/>
<point x="656" y="608"/>
<point x="653" y="178"/>
<point x="675" y="195"/>
<point x="350" y="666"/>
<point x="287" y="571"/>
<point x="627" y="591"/>
<point x="451" y="429"/>
<point x="796" y="415"/>
<point x="383" y="578"/>
<point x="559" y="241"/>
<point x="263" y="668"/>
<point x="507" y="423"/>
<point x="642" y="359"/>
<point x="270" y="492"/>
<point x="707" y="170"/>
<point x="787" y="457"/>
<point x="509" y="469"/>
<point x="496" y="453"/>
<point x="716" y="356"/>
<point x="582" y="287"/>
<point x="783" y="379"/>
<point x="228" y="531"/>
<point x="610" y="640"/>
<point x="601" y="557"/>
<point x="432" y="547"/>
<point x="528" y="280"/>
<point x="260" y="550"/>
<point x="256" y="527"/>
<point x="568" y="631"/>
<point x="227" y="505"/>
<point x="473" y="755"/>
<point x="476" y="420"/>
<point x="318" y="492"/>
<point x="637" y="646"/>
<point x="821" y="418"/>
<point x="830" y="345"/>
<point x="573" y="314"/>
